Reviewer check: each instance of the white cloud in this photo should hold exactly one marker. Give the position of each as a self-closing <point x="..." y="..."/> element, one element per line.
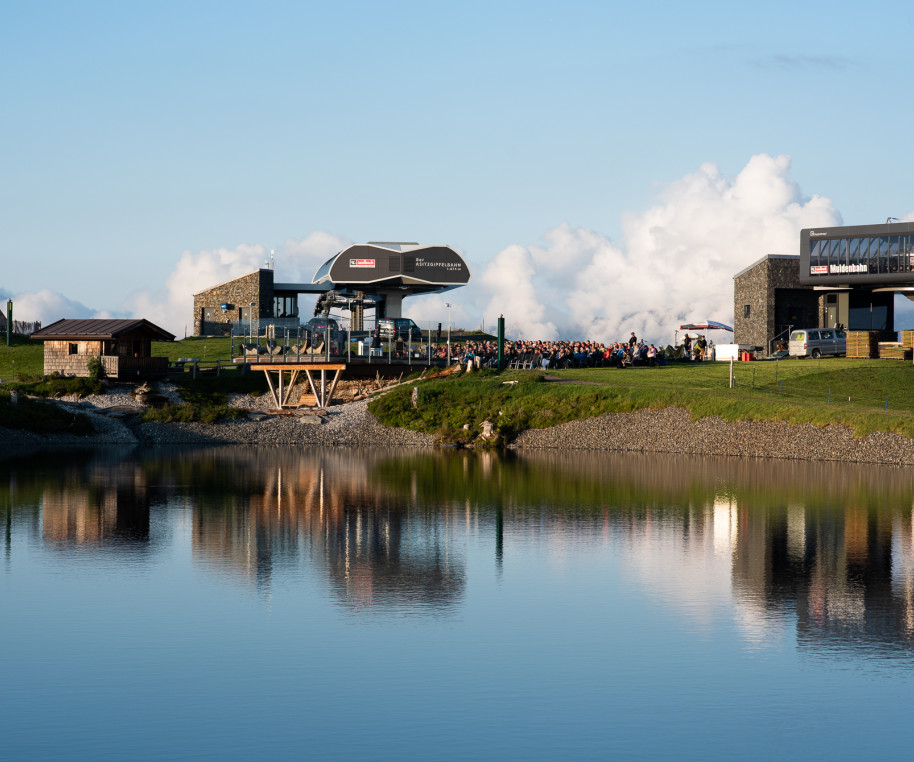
<point x="47" y="307"/>
<point x="676" y="263"/>
<point x="172" y="307"/>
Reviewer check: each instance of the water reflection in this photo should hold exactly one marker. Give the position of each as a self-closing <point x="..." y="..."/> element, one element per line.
<point x="822" y="552"/>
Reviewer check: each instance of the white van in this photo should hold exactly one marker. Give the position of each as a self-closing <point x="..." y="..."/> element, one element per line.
<point x="815" y="342"/>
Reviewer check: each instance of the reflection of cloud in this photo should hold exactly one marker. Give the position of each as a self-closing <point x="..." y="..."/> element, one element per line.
<point x="690" y="570"/>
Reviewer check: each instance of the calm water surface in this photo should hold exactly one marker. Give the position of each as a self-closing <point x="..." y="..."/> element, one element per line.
<point x="255" y="603"/>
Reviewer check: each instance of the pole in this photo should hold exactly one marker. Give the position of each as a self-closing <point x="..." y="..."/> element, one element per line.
<point x="501" y="342"/>
<point x="731" y="372"/>
<point x="448" y="304"/>
<point x="9" y="322"/>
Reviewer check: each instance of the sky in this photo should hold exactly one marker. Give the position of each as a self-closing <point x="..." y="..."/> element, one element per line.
<point x="603" y="167"/>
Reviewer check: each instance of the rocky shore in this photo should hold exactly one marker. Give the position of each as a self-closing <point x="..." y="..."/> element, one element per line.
<point x="670" y="430"/>
<point x="114" y="416"/>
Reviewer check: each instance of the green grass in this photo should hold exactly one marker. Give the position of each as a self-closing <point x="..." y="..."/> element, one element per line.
<point x="791" y="390"/>
<point x="41" y="417"/>
<point x="205" y="399"/>
<point x="23" y="358"/>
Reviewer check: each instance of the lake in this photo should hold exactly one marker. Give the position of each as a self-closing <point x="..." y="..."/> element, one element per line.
<point x="242" y="603"/>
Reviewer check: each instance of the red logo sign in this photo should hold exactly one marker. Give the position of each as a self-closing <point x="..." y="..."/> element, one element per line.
<point x="361" y="263"/>
<point x="819" y="270"/>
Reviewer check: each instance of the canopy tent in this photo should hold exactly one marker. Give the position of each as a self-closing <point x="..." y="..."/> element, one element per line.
<point x="705" y="325"/>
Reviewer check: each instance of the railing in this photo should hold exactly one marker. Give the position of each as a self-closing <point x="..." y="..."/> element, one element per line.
<point x="122" y="366"/>
<point x="775" y="338"/>
<point x="194" y="365"/>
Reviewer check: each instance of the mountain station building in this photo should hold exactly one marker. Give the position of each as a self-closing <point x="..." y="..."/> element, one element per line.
<point x="846" y="276"/>
<point x="374" y="276"/>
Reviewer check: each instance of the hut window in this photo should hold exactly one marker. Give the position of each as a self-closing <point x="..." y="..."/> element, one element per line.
<point x="746" y="310"/>
<point x="72" y="349"/>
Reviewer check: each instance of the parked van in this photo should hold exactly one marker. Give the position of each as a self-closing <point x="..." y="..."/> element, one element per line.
<point x="399" y="328"/>
<point x="815" y="342"/>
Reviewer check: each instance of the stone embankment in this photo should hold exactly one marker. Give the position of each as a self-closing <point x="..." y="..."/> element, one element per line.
<point x="670" y="430"/>
<point x="114" y="416"/>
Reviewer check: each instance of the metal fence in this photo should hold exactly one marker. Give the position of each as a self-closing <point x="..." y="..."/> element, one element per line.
<point x="269" y="340"/>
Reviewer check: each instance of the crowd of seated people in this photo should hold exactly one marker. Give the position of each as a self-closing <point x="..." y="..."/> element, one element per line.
<point x="560" y="354"/>
<point x="567" y="354"/>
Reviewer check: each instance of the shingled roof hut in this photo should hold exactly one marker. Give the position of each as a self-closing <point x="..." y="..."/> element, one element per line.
<point x="124" y="347"/>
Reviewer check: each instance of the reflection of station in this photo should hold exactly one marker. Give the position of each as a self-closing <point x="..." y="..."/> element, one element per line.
<point x="371" y="276"/>
<point x="842" y="275"/>
<point x="334" y="511"/>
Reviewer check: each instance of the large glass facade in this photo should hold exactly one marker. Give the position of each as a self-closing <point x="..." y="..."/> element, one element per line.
<point x="866" y="254"/>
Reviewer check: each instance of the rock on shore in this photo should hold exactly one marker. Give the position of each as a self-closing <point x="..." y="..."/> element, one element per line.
<point x="672" y="430"/>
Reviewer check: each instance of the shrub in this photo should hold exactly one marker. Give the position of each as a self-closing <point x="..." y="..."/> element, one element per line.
<point x="95" y="368"/>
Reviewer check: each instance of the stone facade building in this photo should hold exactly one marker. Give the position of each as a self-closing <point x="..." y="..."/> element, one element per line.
<point x="768" y="300"/>
<point x="235" y="301"/>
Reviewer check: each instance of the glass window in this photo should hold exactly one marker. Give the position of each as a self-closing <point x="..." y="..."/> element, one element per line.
<point x="842" y="254"/>
<point x="854" y="254"/>
<point x="835" y="249"/>
<point x="893" y="253"/>
<point x="884" y="254"/>
<point x="814" y="247"/>
<point x="865" y="251"/>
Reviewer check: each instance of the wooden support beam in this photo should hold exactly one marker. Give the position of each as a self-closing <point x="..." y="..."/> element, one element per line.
<point x="281" y="392"/>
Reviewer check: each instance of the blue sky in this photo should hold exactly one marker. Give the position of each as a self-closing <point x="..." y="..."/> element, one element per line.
<point x="141" y="142"/>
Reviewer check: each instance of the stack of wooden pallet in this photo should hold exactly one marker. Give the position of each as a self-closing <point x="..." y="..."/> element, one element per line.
<point x="862" y="344"/>
<point x="892" y="350"/>
<point x="907" y="338"/>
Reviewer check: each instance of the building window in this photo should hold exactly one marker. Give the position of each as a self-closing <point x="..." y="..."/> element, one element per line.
<point x="746" y="311"/>
<point x="72" y="349"/>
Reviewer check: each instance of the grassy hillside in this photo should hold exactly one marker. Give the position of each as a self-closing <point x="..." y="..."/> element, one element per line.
<point x="26" y="357"/>
<point x="865" y="395"/>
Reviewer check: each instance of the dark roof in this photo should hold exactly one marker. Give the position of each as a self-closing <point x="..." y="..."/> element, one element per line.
<point x="93" y="328"/>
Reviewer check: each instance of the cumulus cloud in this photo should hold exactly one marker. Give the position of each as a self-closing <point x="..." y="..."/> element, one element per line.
<point x="172" y="306"/>
<point x="47" y="307"/>
<point x="676" y="262"/>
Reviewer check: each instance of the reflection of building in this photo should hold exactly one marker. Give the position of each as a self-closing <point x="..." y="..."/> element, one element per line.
<point x="114" y="513"/>
<point x="331" y="509"/>
<point x="834" y="568"/>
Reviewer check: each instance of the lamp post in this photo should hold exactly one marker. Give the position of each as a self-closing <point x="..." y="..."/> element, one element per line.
<point x="448" y="305"/>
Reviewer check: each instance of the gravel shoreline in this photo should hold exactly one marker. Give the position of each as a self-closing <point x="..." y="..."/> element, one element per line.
<point x="672" y="430"/>
<point x="669" y="430"/>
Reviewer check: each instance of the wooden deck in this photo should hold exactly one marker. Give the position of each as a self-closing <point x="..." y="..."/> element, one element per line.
<point x="280" y="390"/>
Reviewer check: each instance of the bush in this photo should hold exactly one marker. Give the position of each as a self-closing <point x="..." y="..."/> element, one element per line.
<point x="95" y="368"/>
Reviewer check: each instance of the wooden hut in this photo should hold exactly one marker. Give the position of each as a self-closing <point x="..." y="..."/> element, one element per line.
<point x="124" y="347"/>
